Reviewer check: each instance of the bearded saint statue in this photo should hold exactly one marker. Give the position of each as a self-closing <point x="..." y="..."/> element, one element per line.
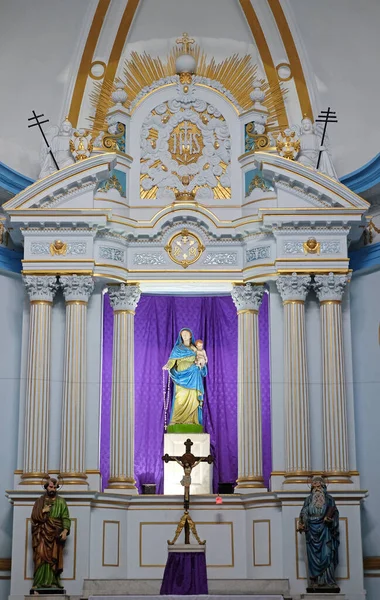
<point x="50" y="527"/>
<point x="319" y="520"/>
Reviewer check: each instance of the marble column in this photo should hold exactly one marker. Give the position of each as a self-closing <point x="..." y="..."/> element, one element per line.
<point x="329" y="289"/>
<point x="123" y="299"/>
<point x="247" y="299"/>
<point x="77" y="290"/>
<point x="293" y="289"/>
<point x="41" y="290"/>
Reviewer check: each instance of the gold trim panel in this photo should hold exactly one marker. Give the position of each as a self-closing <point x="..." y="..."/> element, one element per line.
<point x="104" y="564"/>
<point x="255" y="564"/>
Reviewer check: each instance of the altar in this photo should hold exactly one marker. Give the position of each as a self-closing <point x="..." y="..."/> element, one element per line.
<point x="189" y="269"/>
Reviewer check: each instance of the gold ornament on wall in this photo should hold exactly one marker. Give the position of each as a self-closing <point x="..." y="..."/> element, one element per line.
<point x="311" y="246"/>
<point x="288" y="144"/>
<point x="184" y="248"/>
<point x="58" y="248"/>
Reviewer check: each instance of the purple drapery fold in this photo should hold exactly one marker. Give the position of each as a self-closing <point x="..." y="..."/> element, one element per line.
<point x="265" y="388"/>
<point x="185" y="574"/>
<point x="157" y="323"/>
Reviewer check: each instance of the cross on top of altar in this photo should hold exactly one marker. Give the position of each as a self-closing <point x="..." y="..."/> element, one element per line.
<point x="188" y="457"/>
<point x="188" y="461"/>
<point x="186" y="42"/>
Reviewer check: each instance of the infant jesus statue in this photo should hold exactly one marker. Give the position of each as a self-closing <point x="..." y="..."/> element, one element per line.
<point x="201" y="358"/>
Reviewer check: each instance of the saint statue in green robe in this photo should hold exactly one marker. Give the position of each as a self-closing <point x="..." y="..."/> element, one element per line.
<point x="50" y="527"/>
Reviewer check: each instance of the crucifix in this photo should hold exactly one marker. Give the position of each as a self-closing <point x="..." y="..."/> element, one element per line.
<point x="187" y="461"/>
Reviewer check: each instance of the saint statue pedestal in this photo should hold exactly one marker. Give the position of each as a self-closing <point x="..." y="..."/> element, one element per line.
<point x="201" y="477"/>
<point x="185" y="572"/>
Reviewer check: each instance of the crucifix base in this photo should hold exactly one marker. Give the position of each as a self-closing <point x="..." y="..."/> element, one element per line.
<point x="186" y="523"/>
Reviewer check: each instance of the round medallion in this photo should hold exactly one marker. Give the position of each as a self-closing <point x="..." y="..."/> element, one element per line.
<point x="184" y="248"/>
<point x="97" y="70"/>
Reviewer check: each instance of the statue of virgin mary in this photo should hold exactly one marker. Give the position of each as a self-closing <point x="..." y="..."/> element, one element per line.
<point x="186" y="411"/>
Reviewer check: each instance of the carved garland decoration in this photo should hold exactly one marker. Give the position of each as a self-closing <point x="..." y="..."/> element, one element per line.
<point x="185" y="151"/>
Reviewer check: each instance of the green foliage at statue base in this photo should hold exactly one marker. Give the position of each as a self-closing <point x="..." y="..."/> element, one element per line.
<point x="185" y="428"/>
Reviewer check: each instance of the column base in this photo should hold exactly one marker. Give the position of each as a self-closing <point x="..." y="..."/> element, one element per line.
<point x="122" y="489"/>
<point x="33" y="479"/>
<point x="121" y="485"/>
<point x="301" y="477"/>
<point x="77" y="479"/>
<point x="245" y="485"/>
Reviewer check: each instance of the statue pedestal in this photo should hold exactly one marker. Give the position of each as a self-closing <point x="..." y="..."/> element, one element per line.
<point x="201" y="476"/>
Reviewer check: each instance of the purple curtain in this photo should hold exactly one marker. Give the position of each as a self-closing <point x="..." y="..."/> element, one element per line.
<point x="185" y="574"/>
<point x="157" y="323"/>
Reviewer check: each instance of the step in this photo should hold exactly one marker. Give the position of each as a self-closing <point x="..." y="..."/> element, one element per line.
<point x="217" y="587"/>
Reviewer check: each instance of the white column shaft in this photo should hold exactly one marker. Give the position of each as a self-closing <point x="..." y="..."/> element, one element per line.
<point x="122" y="416"/>
<point x="296" y="389"/>
<point x="37" y="391"/>
<point x="250" y="473"/>
<point x="124" y="299"/>
<point x="334" y="393"/>
<point x="74" y="392"/>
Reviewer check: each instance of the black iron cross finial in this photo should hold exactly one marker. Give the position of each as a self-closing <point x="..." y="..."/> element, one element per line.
<point x="38" y="123"/>
<point x="326" y="116"/>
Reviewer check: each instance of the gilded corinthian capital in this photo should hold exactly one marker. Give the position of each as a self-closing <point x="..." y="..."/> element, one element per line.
<point x="248" y="296"/>
<point x="124" y="296"/>
<point x="293" y="287"/>
<point x="41" y="287"/>
<point x="330" y="287"/>
<point x="77" y="287"/>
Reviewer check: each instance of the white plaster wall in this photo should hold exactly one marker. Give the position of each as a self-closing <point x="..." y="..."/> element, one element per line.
<point x="342" y="47"/>
<point x="365" y="293"/>
<point x="11" y="306"/>
<point x="39" y="45"/>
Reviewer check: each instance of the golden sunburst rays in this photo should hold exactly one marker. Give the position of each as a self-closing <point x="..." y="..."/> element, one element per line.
<point x="236" y="73"/>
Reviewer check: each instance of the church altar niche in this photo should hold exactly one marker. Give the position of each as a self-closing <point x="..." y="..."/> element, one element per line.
<point x="185" y="150"/>
<point x="158" y="320"/>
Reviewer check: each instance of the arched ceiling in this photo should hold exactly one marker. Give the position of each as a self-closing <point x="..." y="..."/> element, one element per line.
<point x="49" y="47"/>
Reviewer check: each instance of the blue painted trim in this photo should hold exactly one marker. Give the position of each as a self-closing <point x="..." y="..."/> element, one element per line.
<point x="10" y="260"/>
<point x="12" y="181"/>
<point x="364" y="178"/>
<point x="366" y="257"/>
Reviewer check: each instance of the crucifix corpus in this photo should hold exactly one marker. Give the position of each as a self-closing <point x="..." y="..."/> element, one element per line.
<point x="187" y="461"/>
